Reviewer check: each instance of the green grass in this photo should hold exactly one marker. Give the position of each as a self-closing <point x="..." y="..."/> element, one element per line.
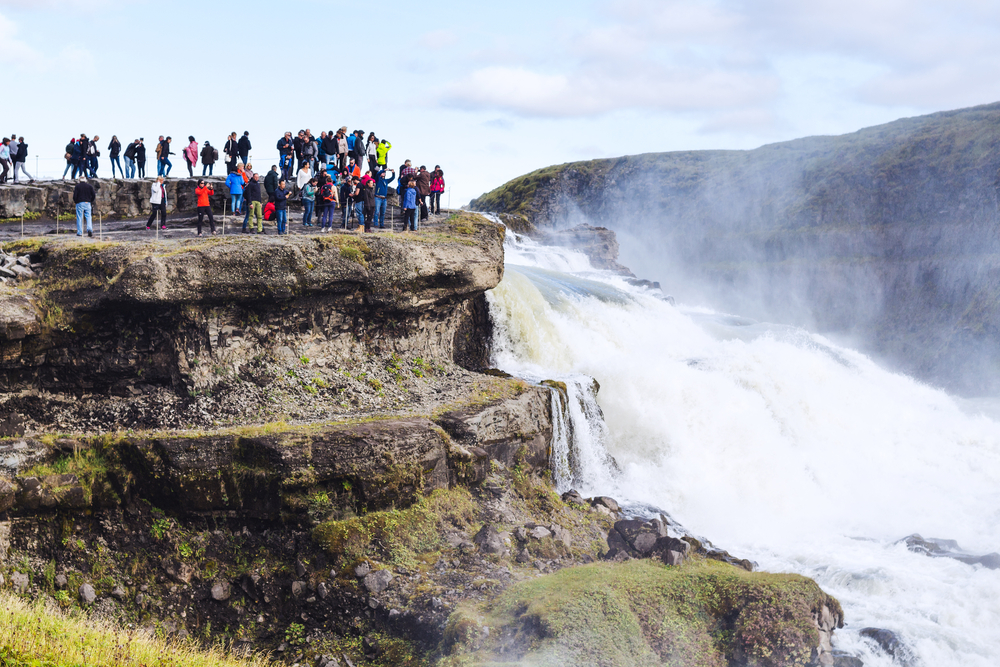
<point x="38" y="635"/>
<point x="398" y="536"/>
<point x="703" y="614"/>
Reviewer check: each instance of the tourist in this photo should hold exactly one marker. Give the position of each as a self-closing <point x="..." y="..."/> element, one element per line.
<point x="209" y="155"/>
<point x="308" y="201"/>
<point x="191" y="156"/>
<point x="84" y="197"/>
<point x="381" y="192"/>
<point x="92" y="154"/>
<point x="251" y="195"/>
<point x="130" y="159"/>
<point x="12" y="148"/>
<point x="281" y="207"/>
<point x="114" y="150"/>
<point x="327" y="202"/>
<point x="368" y="199"/>
<point x="243" y="147"/>
<point x="5" y="159"/>
<point x="83" y="145"/>
<point x="359" y="153"/>
<point x="342" y="147"/>
<point x="235" y="184"/>
<point x="406" y="171"/>
<point x="140" y="157"/>
<point x="285" y="147"/>
<point x="309" y="154"/>
<point x="163" y="157"/>
<point x="410" y="205"/>
<point x="382" y="154"/>
<point x="231" y="149"/>
<point x="297" y="143"/>
<point x="203" y="192"/>
<point x="358" y="199"/>
<point x="346" y="200"/>
<point x="158" y="199"/>
<point x="19" y="160"/>
<point x="371" y="148"/>
<point x="271" y="183"/>
<point x="437" y="188"/>
<point x="423" y="190"/>
<point x="329" y="148"/>
<point x="70" y="149"/>
<point x="305" y="174"/>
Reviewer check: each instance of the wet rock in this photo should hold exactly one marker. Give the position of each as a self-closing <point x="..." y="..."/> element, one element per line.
<point x="489" y="541"/>
<point x="20" y="581"/>
<point x="573" y="497"/>
<point x="87" y="595"/>
<point x="377" y="581"/>
<point x="890" y="643"/>
<point x="221" y="590"/>
<point x="939" y="548"/>
<point x="609" y="504"/>
<point x="845" y="659"/>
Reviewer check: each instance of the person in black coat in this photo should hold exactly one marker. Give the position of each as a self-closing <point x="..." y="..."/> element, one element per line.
<point x="251" y="196"/>
<point x="244" y="147"/>
<point x="140" y="157"/>
<point x="271" y="182"/>
<point x="130" y="159"/>
<point x="231" y="150"/>
<point x="84" y="197"/>
<point x="115" y="149"/>
<point x="207" y="159"/>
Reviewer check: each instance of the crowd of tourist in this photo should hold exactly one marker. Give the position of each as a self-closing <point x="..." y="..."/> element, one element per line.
<point x="337" y="170"/>
<point x="13" y="153"/>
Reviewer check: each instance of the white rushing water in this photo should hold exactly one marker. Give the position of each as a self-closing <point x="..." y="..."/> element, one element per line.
<point x="772" y="442"/>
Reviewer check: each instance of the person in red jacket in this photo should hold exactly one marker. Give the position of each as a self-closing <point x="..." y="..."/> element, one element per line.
<point x="203" y="192"/>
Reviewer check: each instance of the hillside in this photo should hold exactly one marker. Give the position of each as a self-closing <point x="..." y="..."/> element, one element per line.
<point x="885" y="238"/>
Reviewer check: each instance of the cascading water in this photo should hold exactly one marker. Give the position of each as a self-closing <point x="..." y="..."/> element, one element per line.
<point x="774" y="443"/>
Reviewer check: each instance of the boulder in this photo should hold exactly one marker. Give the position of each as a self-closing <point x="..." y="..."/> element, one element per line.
<point x="573" y="497"/>
<point x="377" y="581"/>
<point x="61" y="581"/>
<point x="221" y="590"/>
<point x="608" y="503"/>
<point x="890" y="644"/>
<point x="87" y="595"/>
<point x="361" y="570"/>
<point x="8" y="493"/>
<point x="560" y="534"/>
<point x="20" y="581"/>
<point x="177" y="570"/>
<point x="673" y="558"/>
<point x="489" y="541"/>
<point x="119" y="593"/>
<point x="299" y="588"/>
<point x="322" y="590"/>
<point x="539" y="533"/>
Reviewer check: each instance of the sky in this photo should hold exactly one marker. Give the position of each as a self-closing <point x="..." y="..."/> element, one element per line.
<point x="489" y="91"/>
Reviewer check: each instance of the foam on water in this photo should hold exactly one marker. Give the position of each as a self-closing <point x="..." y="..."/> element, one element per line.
<point x="774" y="443"/>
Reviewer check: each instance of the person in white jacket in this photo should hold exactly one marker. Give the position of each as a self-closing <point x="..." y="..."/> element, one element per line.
<point x="158" y="198"/>
<point x="305" y="174"/>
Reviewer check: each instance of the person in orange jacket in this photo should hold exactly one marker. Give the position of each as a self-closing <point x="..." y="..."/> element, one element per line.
<point x="203" y="192"/>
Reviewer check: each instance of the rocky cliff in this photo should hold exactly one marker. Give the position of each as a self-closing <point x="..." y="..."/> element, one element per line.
<point x="886" y="237"/>
<point x="292" y="445"/>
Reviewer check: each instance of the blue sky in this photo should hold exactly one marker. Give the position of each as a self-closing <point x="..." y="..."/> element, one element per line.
<point x="488" y="90"/>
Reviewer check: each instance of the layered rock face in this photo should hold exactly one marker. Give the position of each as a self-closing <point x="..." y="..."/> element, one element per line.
<point x="887" y="235"/>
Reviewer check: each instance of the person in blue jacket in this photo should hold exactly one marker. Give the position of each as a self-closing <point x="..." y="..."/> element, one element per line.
<point x="235" y="184"/>
<point x="381" y="192"/>
<point x="410" y="206"/>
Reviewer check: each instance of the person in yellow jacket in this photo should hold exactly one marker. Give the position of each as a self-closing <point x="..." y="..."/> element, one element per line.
<point x="382" y="153"/>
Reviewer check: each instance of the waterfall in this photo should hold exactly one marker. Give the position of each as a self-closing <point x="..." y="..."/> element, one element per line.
<point x="777" y="444"/>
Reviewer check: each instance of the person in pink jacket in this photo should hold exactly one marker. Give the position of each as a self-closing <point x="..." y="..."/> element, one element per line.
<point x="191" y="155"/>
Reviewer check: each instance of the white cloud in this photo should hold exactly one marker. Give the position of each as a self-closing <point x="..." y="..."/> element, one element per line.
<point x="721" y="57"/>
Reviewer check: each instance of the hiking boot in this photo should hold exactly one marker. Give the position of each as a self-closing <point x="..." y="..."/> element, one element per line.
<point x="90" y="233"/>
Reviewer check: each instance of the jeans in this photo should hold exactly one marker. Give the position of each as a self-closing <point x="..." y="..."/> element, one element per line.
<point x="282" y="218"/>
<point x="435" y="202"/>
<point x="254" y="209"/>
<point x="326" y="215"/>
<point x="208" y="168"/>
<point x="115" y="161"/>
<point x="237" y="202"/>
<point x="359" y="208"/>
<point x="69" y="165"/>
<point x="20" y="166"/>
<point x="83" y="209"/>
<point x="380" y="211"/>
<point x="92" y="166"/>
<point x="410" y="219"/>
<point x="308" y="205"/>
<point x="129" y="168"/>
<point x="163" y="167"/>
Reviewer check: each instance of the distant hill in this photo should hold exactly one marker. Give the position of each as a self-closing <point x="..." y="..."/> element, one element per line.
<point x="886" y="238"/>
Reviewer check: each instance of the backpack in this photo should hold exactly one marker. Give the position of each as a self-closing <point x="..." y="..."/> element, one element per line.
<point x="326" y="192"/>
<point x="215" y="154"/>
